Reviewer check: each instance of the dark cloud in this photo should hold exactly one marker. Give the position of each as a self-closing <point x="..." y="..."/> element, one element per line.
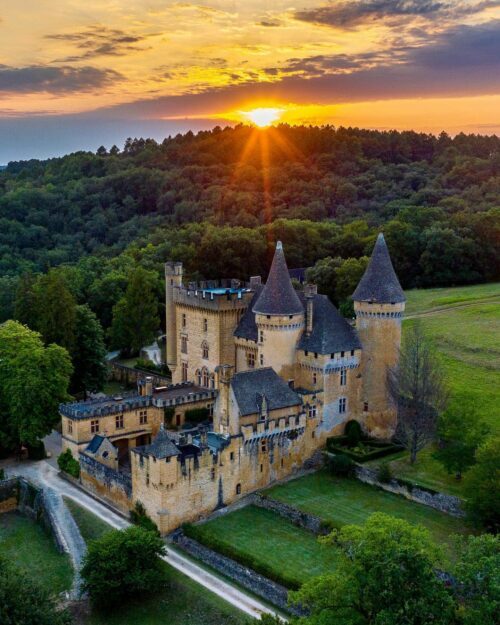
<point x="352" y="13"/>
<point x="49" y="79"/>
<point x="99" y="41"/>
<point x="269" y="22"/>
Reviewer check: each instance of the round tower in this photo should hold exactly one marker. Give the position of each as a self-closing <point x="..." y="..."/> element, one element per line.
<point x="379" y="304"/>
<point x="279" y="316"/>
<point x="173" y="280"/>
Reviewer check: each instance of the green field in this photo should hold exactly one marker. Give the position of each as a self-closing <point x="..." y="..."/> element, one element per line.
<point x="464" y="324"/>
<point x="344" y="501"/>
<point x="29" y="546"/>
<point x="292" y="552"/>
<point x="183" y="602"/>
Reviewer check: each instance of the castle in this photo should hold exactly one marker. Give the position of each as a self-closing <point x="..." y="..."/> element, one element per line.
<point x="276" y="370"/>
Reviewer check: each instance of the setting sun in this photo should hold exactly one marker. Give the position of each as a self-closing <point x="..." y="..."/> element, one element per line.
<point x="263" y="117"/>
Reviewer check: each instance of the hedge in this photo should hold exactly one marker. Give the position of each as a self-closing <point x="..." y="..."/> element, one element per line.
<point x="193" y="531"/>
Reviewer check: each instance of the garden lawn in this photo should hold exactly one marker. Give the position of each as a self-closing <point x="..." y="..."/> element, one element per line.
<point x="30" y="547"/>
<point x="349" y="501"/>
<point x="184" y="602"/>
<point x="272" y="542"/>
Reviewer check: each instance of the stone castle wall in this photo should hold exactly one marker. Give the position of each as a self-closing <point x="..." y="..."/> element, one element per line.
<point x="114" y="487"/>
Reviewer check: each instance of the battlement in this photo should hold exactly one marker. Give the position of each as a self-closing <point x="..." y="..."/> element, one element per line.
<point x="214" y="295"/>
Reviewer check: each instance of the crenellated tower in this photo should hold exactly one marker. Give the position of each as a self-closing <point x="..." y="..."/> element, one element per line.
<point x="379" y="304"/>
<point x="173" y="280"/>
<point x="280" y="319"/>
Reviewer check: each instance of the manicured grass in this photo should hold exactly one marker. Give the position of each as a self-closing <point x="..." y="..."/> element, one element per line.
<point x="90" y="525"/>
<point x="344" y="501"/>
<point x="423" y="300"/>
<point x="272" y="541"/>
<point x="30" y="547"/>
<point x="183" y="602"/>
<point x="426" y="472"/>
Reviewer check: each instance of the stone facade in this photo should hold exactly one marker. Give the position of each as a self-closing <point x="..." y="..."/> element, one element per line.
<point x="282" y="371"/>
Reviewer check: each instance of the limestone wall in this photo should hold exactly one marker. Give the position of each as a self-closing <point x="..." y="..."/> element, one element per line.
<point x="114" y="487"/>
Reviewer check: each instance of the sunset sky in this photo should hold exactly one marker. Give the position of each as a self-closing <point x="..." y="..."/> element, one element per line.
<point x="76" y="74"/>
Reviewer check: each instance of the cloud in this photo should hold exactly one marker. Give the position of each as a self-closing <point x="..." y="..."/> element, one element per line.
<point x="98" y="41"/>
<point x="270" y="22"/>
<point x="55" y="80"/>
<point x="351" y="13"/>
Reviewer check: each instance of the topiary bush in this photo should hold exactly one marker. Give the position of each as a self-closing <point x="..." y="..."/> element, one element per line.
<point x="68" y="464"/>
<point x="341" y="465"/>
<point x="353" y="432"/>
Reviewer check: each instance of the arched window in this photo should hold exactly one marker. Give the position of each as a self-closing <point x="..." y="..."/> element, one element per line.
<point x="206" y="377"/>
<point x="212" y="381"/>
<point x="198" y="377"/>
<point x="204" y="350"/>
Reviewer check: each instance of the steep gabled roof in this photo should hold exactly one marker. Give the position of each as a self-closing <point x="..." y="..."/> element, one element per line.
<point x="379" y="283"/>
<point x="250" y="386"/>
<point x="94" y="444"/>
<point x="247" y="328"/>
<point x="161" y="447"/>
<point x="331" y="332"/>
<point x="278" y="297"/>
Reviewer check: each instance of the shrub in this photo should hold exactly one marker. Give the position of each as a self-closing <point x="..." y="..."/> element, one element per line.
<point x="68" y="464"/>
<point x="140" y="517"/>
<point x="341" y="465"/>
<point x="123" y="564"/>
<point x="37" y="451"/>
<point x="384" y="473"/>
<point x="353" y="432"/>
<point x="482" y="486"/>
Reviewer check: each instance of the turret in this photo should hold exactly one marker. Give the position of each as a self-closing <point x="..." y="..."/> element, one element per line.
<point x="173" y="280"/>
<point x="279" y="316"/>
<point x="379" y="303"/>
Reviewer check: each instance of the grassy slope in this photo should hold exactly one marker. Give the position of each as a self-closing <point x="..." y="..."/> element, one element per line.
<point x="464" y="323"/>
<point x="272" y="540"/>
<point x="183" y="602"/>
<point x="350" y="501"/>
<point x="28" y="545"/>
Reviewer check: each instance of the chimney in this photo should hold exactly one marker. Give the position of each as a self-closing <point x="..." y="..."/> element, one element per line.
<point x="255" y="281"/>
<point x="310" y="290"/>
<point x="148" y="386"/>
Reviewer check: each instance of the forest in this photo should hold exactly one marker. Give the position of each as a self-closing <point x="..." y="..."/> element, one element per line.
<point x="219" y="200"/>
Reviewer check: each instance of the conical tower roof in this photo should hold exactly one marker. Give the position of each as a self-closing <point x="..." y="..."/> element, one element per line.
<point x="379" y="283"/>
<point x="278" y="297"/>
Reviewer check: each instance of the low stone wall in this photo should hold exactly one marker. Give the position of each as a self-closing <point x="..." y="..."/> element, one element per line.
<point x="130" y="375"/>
<point x="248" y="578"/>
<point x="444" y="503"/>
<point x="302" y="519"/>
<point x="112" y="486"/>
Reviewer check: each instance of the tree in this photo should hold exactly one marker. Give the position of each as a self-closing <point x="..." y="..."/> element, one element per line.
<point x="89" y="353"/>
<point x="33" y="382"/>
<point x="417" y="388"/>
<point x="460" y="433"/>
<point x="385" y="576"/>
<point x="135" y="316"/>
<point x="482" y="486"/>
<point x="56" y="310"/>
<point x="24" y="602"/>
<point x="477" y="574"/>
<point x="25" y="304"/>
<point x="347" y="277"/>
<point x="123" y="564"/>
<point x="324" y="275"/>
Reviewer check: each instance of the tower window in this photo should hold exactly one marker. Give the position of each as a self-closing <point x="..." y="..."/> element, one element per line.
<point x="365" y="406"/>
<point x="342" y="405"/>
<point x="312" y="411"/>
<point x="261" y="336"/>
<point x="343" y="377"/>
<point x="263" y="445"/>
<point x="238" y="489"/>
<point x="184" y="371"/>
<point x="184" y="344"/>
<point x="250" y="360"/>
<point x="70" y="426"/>
<point x="204" y="350"/>
<point x="261" y="360"/>
<point x="183" y="320"/>
<point x="315" y="378"/>
<point x="205" y="325"/>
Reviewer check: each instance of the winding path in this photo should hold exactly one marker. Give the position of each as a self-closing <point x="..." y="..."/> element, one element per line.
<point x="41" y="473"/>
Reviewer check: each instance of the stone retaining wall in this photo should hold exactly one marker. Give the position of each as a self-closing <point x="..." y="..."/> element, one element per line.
<point x="254" y="582"/>
<point x="444" y="503"/>
<point x="302" y="519"/>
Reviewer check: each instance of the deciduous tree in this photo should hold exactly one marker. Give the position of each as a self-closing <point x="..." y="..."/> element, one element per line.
<point x="482" y="486"/>
<point x="89" y="353"/>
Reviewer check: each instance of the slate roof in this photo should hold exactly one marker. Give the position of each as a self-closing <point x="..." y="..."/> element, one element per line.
<point x="379" y="283"/>
<point x="278" y="297"/>
<point x="331" y="332"/>
<point x="249" y="387"/>
<point x="247" y="328"/>
<point x="161" y="447"/>
<point x="94" y="444"/>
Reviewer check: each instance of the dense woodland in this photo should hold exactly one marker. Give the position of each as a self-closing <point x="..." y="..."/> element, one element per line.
<point x="218" y="201"/>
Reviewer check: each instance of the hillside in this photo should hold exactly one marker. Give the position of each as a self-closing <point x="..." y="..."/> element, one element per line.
<point x="464" y="324"/>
